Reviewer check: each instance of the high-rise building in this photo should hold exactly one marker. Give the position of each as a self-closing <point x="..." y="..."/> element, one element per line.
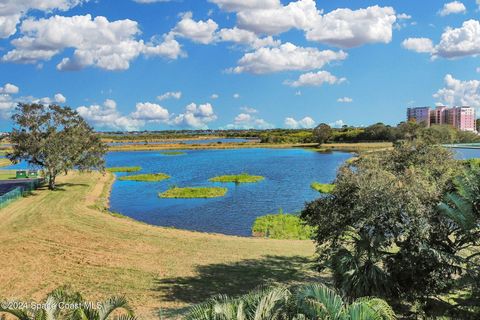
<point x="419" y="115"/>
<point x="462" y="118"/>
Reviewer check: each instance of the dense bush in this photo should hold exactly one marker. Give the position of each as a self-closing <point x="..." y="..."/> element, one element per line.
<point x="282" y="226"/>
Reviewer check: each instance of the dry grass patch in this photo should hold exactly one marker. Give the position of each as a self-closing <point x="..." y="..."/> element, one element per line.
<point x="58" y="237"/>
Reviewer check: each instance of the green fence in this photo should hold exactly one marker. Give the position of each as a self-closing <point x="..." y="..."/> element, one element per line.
<point x="19" y="192"/>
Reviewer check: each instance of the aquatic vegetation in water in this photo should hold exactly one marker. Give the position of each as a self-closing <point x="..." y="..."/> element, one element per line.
<point x="173" y="153"/>
<point x="282" y="226"/>
<point x="239" y="178"/>
<point x="149" y="177"/>
<point x="124" y="169"/>
<point x="196" y="192"/>
<point x="323" y="187"/>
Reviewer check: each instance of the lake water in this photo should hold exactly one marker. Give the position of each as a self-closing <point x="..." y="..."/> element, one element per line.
<point x="288" y="174"/>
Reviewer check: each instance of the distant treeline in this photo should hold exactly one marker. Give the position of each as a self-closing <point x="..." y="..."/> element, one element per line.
<point x="378" y="132"/>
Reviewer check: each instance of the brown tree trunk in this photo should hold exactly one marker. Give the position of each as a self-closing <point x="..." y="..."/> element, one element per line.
<point x="51" y="181"/>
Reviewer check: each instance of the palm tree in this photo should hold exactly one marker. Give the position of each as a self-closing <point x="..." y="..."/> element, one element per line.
<point x="53" y="308"/>
<point x="309" y="302"/>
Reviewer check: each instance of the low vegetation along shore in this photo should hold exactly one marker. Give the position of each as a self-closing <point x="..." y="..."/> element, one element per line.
<point x="124" y="169"/>
<point x="68" y="237"/>
<point x="239" y="178"/>
<point x="148" y="177"/>
<point x="195" y="192"/>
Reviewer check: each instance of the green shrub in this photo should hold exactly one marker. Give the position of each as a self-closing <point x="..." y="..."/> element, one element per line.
<point x="239" y="178"/>
<point x="198" y="192"/>
<point x="150" y="177"/>
<point x="124" y="169"/>
<point x="323" y="187"/>
<point x="281" y="226"/>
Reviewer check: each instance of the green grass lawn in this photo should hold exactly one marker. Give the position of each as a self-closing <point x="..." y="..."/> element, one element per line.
<point x="239" y="178"/>
<point x="149" y="177"/>
<point x="173" y="153"/>
<point x="281" y="226"/>
<point x="323" y="187"/>
<point x="197" y="192"/>
<point x="124" y="169"/>
<point x="61" y="236"/>
<point x="7" y="174"/>
<point x="4" y="162"/>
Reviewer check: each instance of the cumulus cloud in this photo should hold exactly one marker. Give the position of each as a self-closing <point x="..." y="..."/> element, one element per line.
<point x="287" y="57"/>
<point x="247" y="121"/>
<point x="170" y="95"/>
<point x="195" y="116"/>
<point x="275" y="20"/>
<point x="315" y="79"/>
<point x="151" y="112"/>
<point x="453" y="7"/>
<point x="7" y="104"/>
<point x="454" y="43"/>
<point x="107" y="116"/>
<point x="60" y="98"/>
<point x="304" y="123"/>
<point x="245" y="37"/>
<point x="12" y="11"/>
<point x="459" y="93"/>
<point x="337" y="124"/>
<point x="198" y="31"/>
<point x="239" y="5"/>
<point x="345" y="100"/>
<point x="420" y="45"/>
<point x="249" y="110"/>
<point x="9" y="88"/>
<point x="96" y="42"/>
<point x="346" y="28"/>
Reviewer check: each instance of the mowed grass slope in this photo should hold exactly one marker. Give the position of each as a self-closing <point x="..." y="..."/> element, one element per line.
<point x="52" y="238"/>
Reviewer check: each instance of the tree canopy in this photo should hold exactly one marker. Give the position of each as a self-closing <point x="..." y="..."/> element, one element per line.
<point x="55" y="139"/>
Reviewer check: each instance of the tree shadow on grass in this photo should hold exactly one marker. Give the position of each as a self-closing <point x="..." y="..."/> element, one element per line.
<point x="237" y="278"/>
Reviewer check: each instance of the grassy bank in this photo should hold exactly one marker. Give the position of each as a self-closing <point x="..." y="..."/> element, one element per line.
<point x="215" y="146"/>
<point x="7" y="174"/>
<point x="239" y="178"/>
<point x="190" y="193"/>
<point x="124" y="169"/>
<point x="65" y="240"/>
<point x="356" y="147"/>
<point x="149" y="177"/>
<point x="281" y="226"/>
<point x="4" y="162"/>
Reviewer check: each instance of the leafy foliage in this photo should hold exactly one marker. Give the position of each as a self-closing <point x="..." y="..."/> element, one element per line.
<point x="56" y="139"/>
<point x="323" y="187"/>
<point x="282" y="226"/>
<point x="322" y="133"/>
<point x="308" y="302"/>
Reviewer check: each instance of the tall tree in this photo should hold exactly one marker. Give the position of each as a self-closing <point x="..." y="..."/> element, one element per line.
<point x="322" y="133"/>
<point x="55" y="139"/>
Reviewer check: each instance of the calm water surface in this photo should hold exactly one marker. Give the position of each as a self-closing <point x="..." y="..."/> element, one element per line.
<point x="288" y="174"/>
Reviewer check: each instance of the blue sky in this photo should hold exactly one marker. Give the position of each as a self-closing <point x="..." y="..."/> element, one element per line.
<point x="146" y="64"/>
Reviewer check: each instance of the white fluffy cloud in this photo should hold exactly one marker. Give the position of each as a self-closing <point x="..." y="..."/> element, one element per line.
<point x="60" y="98"/>
<point x="304" y="123"/>
<point x="248" y="121"/>
<point x="198" y="31"/>
<point x="348" y="28"/>
<point x="420" y="45"/>
<point x="287" y="57"/>
<point x="459" y="93"/>
<point x="315" y="79"/>
<point x="236" y="96"/>
<point x="241" y="36"/>
<point x="11" y="11"/>
<point x="453" y="7"/>
<point x="195" y="116"/>
<point x="107" y="116"/>
<point x="151" y="112"/>
<point x="9" y="88"/>
<point x="345" y="100"/>
<point x="170" y="95"/>
<point x="337" y="124"/>
<point x="239" y="5"/>
<point x="96" y="42"/>
<point x="454" y="43"/>
<point x="275" y="20"/>
<point x="214" y="96"/>
<point x="249" y="110"/>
